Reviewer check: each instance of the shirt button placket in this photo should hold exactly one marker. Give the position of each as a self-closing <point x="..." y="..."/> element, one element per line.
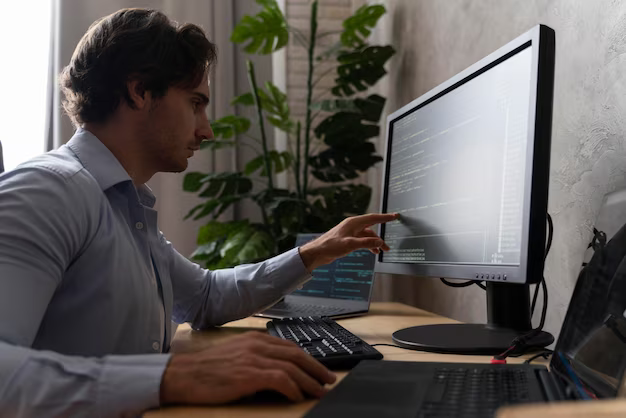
<point x="139" y="225"/>
<point x="156" y="346"/>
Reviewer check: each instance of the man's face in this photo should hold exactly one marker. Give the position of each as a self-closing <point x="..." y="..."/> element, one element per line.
<point x="175" y="126"/>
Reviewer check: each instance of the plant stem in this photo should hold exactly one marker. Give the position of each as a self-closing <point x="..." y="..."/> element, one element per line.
<point x="257" y="104"/>
<point x="309" y="95"/>
<point x="298" y="157"/>
<point x="297" y="175"/>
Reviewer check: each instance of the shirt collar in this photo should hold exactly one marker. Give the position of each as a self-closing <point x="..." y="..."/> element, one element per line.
<point x="103" y="166"/>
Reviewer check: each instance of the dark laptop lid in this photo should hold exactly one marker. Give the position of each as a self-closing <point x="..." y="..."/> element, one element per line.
<point x="1" y="163"/>
<point x="348" y="278"/>
<point x="591" y="350"/>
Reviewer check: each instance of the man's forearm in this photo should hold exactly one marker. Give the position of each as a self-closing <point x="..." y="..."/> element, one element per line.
<point x="230" y="294"/>
<point x="43" y="383"/>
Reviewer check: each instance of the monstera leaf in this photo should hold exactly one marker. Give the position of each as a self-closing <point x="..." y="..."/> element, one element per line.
<point x="279" y="162"/>
<point x="356" y="27"/>
<point x="351" y="199"/>
<point x="251" y="243"/>
<point x="346" y="133"/>
<point x="345" y="128"/>
<point x="215" y="230"/>
<point x="228" y="126"/>
<point x="227" y="244"/>
<point x="211" y="237"/>
<point x="370" y="108"/>
<point x="266" y="32"/>
<point x="339" y="164"/>
<point x="335" y="105"/>
<point x="360" y="69"/>
<point x="333" y="203"/>
<point x="221" y="189"/>
<point x="273" y="102"/>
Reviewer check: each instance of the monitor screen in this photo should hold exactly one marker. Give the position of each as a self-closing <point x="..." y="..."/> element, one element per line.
<point x="456" y="172"/>
<point x="459" y="168"/>
<point x="348" y="277"/>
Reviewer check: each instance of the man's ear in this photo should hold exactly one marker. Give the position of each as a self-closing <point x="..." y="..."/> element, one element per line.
<point x="139" y="97"/>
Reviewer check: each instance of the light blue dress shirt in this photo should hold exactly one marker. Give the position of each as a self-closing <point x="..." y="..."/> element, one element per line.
<point x="87" y="279"/>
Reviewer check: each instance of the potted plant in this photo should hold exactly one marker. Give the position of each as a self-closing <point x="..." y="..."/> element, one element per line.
<point x="342" y="142"/>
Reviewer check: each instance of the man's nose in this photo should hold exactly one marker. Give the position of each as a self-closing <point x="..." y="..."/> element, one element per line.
<point x="204" y="130"/>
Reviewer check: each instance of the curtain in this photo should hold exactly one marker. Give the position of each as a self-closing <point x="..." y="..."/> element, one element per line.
<point x="71" y="20"/>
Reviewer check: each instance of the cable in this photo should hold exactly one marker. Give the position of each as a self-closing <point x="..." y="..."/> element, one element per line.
<point x="451" y="284"/>
<point x="545" y="354"/>
<point x="548" y="245"/>
<point x="550" y="232"/>
<point x="532" y="305"/>
<point x="464" y="284"/>
<point x="519" y="343"/>
<point x="391" y="345"/>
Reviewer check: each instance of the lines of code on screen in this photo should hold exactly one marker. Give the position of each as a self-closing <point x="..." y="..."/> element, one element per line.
<point x="349" y="277"/>
<point x="457" y="169"/>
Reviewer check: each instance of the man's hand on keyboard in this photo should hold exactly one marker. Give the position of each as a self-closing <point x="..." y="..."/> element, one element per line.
<point x="241" y="366"/>
<point x="351" y="234"/>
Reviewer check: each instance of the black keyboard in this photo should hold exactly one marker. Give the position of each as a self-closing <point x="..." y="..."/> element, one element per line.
<point x="326" y="340"/>
<point x="466" y="392"/>
<point x="302" y="309"/>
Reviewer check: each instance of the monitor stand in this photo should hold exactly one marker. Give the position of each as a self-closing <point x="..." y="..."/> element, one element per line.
<point x="508" y="313"/>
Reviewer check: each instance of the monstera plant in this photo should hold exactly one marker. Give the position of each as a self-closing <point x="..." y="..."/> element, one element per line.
<point x="334" y="152"/>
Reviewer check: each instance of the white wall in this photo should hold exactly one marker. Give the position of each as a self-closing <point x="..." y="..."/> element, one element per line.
<point x="437" y="39"/>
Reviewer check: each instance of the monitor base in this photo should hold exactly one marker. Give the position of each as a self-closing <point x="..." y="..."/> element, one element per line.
<point x="464" y="338"/>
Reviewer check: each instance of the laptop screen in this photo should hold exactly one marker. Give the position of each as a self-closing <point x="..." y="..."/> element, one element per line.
<point x="349" y="277"/>
<point x="590" y="354"/>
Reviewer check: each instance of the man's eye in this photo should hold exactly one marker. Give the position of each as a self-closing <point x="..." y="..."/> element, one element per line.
<point x="195" y="105"/>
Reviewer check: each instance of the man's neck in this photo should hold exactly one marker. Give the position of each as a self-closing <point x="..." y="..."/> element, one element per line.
<point x="123" y="145"/>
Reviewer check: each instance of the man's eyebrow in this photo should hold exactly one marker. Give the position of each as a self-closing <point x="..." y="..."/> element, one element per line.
<point x="203" y="97"/>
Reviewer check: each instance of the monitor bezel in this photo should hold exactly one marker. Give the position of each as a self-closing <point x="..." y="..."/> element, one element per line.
<point x="530" y="269"/>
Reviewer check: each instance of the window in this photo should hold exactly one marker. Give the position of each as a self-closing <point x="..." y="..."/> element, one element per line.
<point x="24" y="46"/>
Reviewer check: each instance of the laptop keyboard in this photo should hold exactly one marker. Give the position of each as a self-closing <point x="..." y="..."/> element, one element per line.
<point x="466" y="392"/>
<point x="302" y="309"/>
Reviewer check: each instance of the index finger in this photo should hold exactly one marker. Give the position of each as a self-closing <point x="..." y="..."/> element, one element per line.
<point x="374" y="218"/>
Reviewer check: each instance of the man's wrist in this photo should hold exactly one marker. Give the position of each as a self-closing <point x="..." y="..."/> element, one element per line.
<point x="170" y="390"/>
<point x="308" y="254"/>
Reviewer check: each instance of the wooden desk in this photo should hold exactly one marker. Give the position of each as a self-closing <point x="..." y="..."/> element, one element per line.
<point x="376" y="327"/>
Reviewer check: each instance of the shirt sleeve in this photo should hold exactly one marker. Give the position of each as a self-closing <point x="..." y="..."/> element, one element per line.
<point x="42" y="226"/>
<point x="207" y="298"/>
<point x="47" y="384"/>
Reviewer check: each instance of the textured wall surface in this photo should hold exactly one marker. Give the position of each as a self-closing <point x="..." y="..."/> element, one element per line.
<point x="437" y="39"/>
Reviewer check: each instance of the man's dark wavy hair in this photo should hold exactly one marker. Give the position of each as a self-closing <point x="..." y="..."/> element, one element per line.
<point x="132" y="44"/>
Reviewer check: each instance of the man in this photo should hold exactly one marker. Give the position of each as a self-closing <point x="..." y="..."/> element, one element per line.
<point x="87" y="282"/>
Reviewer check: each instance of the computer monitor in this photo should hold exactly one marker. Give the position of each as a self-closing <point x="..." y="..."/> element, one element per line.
<point x="467" y="169"/>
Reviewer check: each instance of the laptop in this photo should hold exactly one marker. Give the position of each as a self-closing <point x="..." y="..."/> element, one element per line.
<point x="339" y="290"/>
<point x="588" y="363"/>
